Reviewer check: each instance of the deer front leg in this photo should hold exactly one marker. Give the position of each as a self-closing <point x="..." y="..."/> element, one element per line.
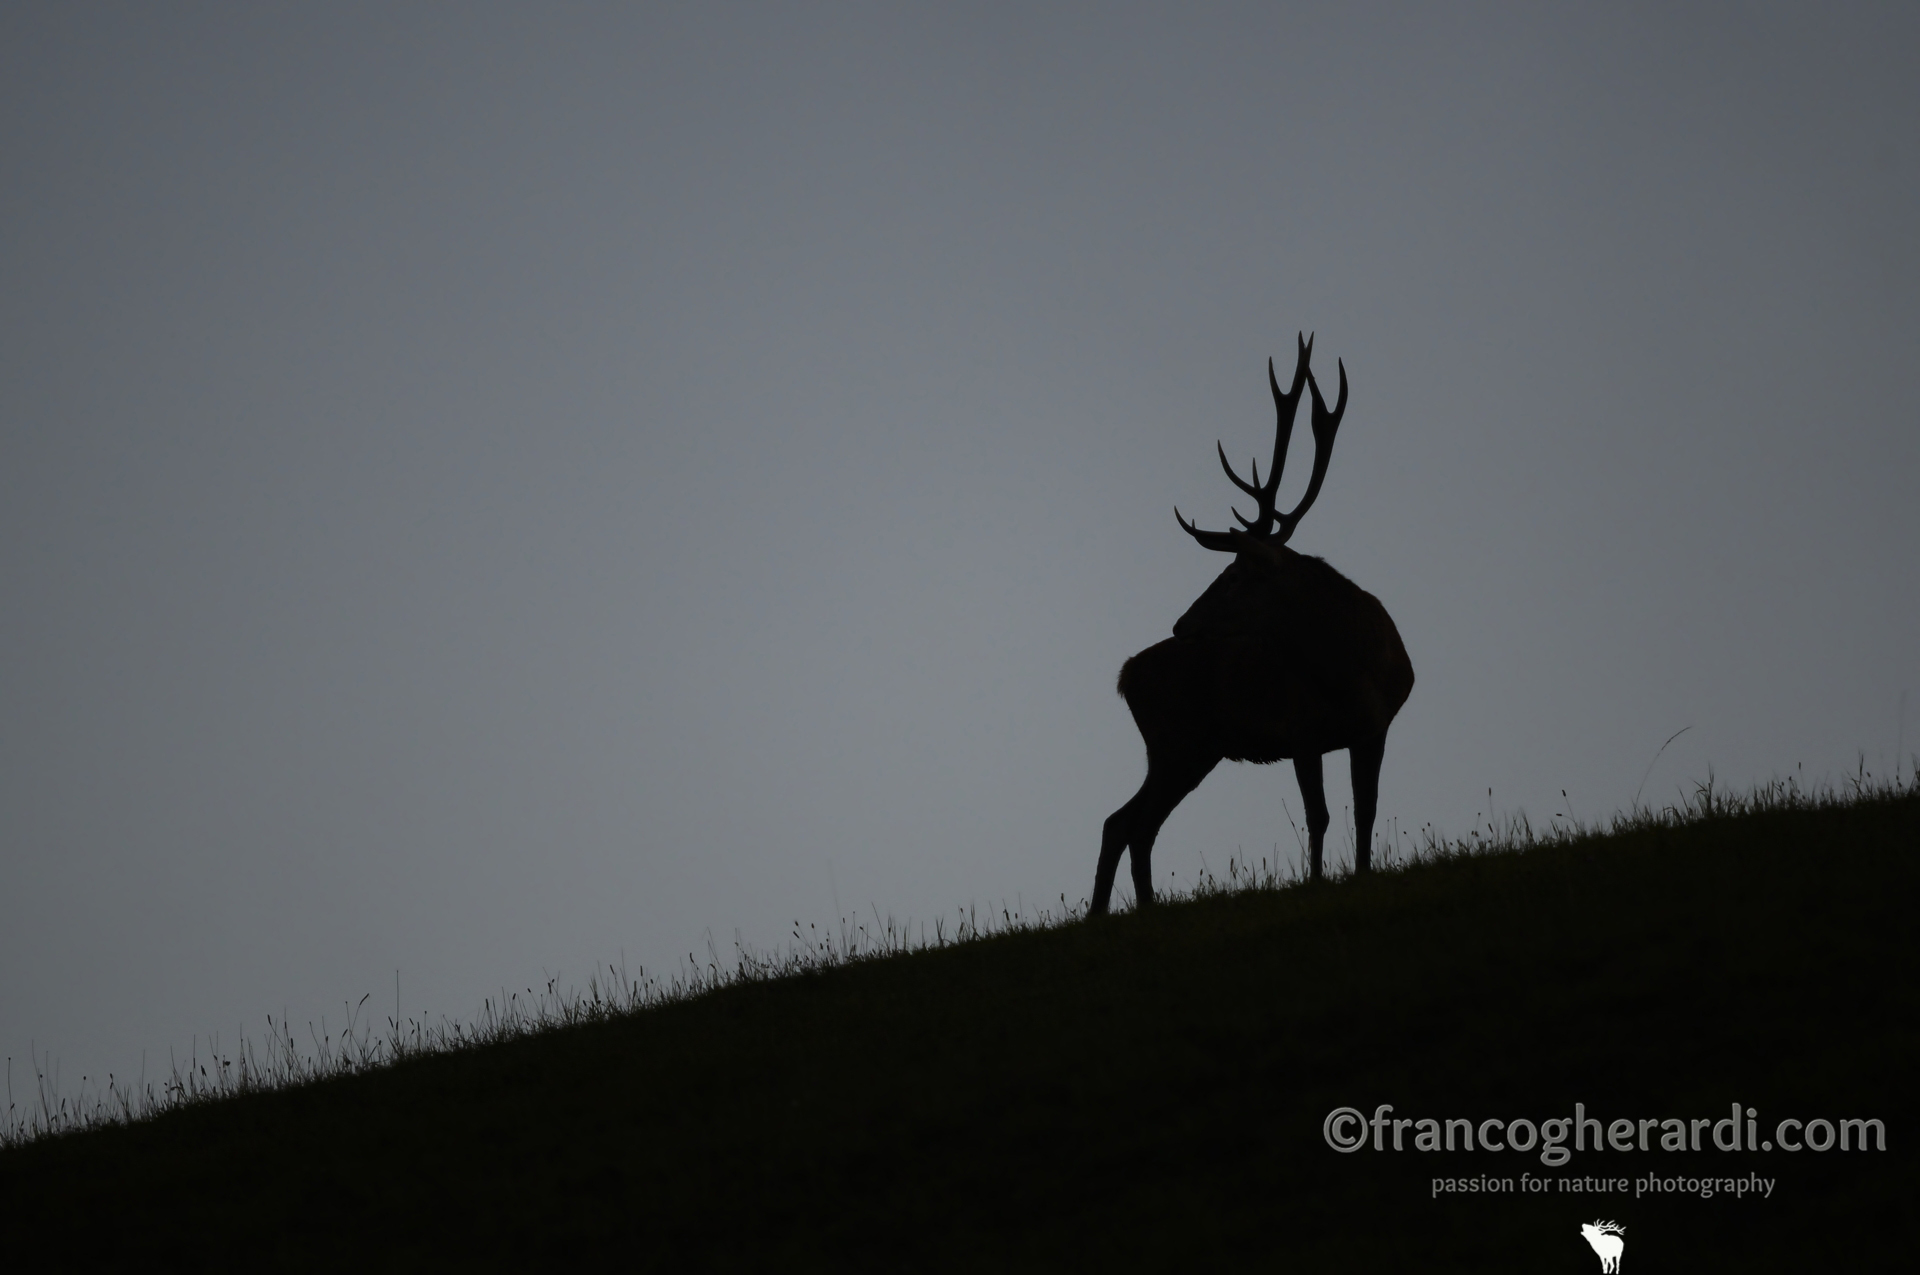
<point x="1365" y="760"/>
<point x="1313" y="793"/>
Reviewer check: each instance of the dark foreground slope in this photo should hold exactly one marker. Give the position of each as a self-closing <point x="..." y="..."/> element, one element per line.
<point x="1143" y="1093"/>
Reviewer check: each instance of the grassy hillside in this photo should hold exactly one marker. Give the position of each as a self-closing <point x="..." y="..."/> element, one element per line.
<point x="1147" y="1092"/>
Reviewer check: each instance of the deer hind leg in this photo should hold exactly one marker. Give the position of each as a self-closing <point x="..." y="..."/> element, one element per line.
<point x="1365" y="760"/>
<point x="1313" y="792"/>
<point x="1113" y="842"/>
<point x="1134" y="827"/>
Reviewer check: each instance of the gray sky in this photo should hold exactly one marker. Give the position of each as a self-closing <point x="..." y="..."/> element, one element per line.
<point x="487" y="489"/>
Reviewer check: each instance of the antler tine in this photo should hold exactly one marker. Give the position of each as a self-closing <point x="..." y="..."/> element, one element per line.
<point x="1252" y="489"/>
<point x="1325" y="425"/>
<point x="1220" y="540"/>
<point x="1285" y="407"/>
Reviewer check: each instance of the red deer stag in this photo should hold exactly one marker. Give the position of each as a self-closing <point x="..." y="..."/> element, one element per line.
<point x="1281" y="657"/>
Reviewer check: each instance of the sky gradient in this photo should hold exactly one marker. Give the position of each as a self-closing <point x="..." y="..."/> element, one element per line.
<point x="485" y="491"/>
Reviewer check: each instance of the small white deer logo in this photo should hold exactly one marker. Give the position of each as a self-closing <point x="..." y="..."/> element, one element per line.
<point x="1606" y="1241"/>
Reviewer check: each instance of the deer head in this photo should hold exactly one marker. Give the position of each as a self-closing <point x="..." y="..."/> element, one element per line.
<point x="1270" y="529"/>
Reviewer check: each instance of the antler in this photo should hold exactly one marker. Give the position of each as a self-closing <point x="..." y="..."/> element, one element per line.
<point x="1325" y="425"/>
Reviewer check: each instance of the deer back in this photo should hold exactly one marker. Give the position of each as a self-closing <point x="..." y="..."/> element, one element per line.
<point x="1282" y="655"/>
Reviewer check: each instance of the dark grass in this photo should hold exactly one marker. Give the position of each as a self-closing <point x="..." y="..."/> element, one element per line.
<point x="1141" y="1093"/>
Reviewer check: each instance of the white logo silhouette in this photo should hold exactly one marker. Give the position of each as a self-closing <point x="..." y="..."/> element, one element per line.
<point x="1606" y="1241"/>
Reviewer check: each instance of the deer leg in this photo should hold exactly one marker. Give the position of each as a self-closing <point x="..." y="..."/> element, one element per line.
<point x="1313" y="792"/>
<point x="1113" y="842"/>
<point x="1140" y="857"/>
<point x="1365" y="760"/>
<point x="1135" y="826"/>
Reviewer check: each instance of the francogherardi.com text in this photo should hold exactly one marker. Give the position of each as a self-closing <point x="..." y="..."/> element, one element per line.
<point x="1348" y="1129"/>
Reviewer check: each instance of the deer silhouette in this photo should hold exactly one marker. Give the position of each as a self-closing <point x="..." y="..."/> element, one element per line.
<point x="1606" y="1242"/>
<point x="1282" y="657"/>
